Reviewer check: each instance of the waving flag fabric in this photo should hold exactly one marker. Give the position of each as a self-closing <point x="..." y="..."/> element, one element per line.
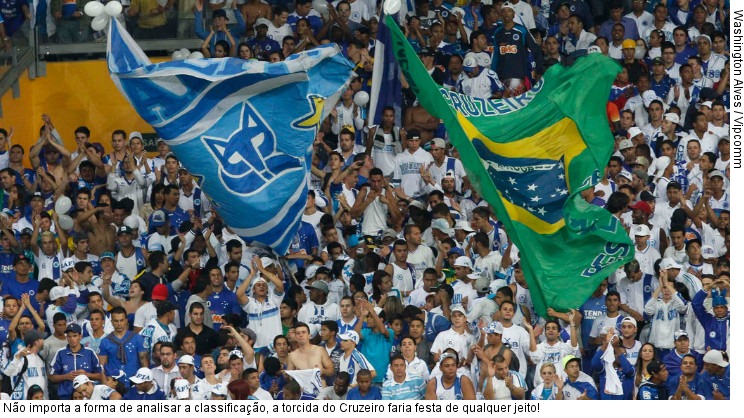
<point x="243" y="128"/>
<point x="386" y="88"/>
<point x="530" y="157"/>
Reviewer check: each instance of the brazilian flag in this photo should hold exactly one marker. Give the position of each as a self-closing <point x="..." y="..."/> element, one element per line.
<point x="530" y="157"/>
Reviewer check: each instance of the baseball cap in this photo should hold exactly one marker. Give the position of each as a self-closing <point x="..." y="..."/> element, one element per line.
<point x="569" y="358"/>
<point x="267" y="262"/>
<point x="320" y="285"/>
<point x="625" y="144"/>
<point x="258" y="280"/>
<point x="458" y="308"/>
<point x="159" y="292"/>
<point x="642" y="206"/>
<point x="182" y="388"/>
<point x="58" y="292"/>
<point x="634" y="131"/>
<point x="20" y="257"/>
<point x="629" y="320"/>
<point x="311" y="270"/>
<point x="219" y="13"/>
<point x="158" y="218"/>
<point x="74" y="328"/>
<point x="442" y="225"/>
<point x="438" y="142"/>
<point x="494" y="327"/>
<point x="391" y="233"/>
<point x="703" y="36"/>
<point x="648" y="96"/>
<point x="456" y="250"/>
<point x="143" y="375"/>
<point x="657" y="61"/>
<point x="27" y="231"/>
<point x="640" y="161"/>
<point x="135" y="134"/>
<point x="716" y="173"/>
<point x="680" y="334"/>
<point x="68" y="263"/>
<point x="594" y="49"/>
<point x="219" y="389"/>
<point x="463" y="262"/>
<point x="186" y="359"/>
<point x="642" y="230"/>
<point x="349" y="336"/>
<point x="626" y="175"/>
<point x="669" y="263"/>
<point x="261" y="22"/>
<point x="672" y="117"/>
<point x="107" y="254"/>
<point x="715" y="357"/>
<point x="464" y="226"/>
<point x="708" y="103"/>
<point x="507" y="5"/>
<point x="708" y="251"/>
<point x="124" y="230"/>
<point x="80" y="380"/>
<point x="469" y="62"/>
<point x="654" y="366"/>
<point x="627" y="44"/>
<point x="429" y="52"/>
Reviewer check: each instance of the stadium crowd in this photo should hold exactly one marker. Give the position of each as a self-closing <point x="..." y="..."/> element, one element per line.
<point x="120" y="281"/>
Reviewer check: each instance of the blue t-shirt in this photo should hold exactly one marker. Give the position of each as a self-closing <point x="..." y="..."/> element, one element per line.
<point x="376" y="349"/>
<point x="15" y="289"/>
<point x="132" y="348"/>
<point x="221" y="303"/>
<point x="374" y="394"/>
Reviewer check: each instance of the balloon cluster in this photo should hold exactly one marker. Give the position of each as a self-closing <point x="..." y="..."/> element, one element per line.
<point x="184" y="53"/>
<point x="102" y="14"/>
<point x="62" y="206"/>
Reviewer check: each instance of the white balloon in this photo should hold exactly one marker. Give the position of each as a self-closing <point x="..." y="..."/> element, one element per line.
<point x="131" y="221"/>
<point x="321" y="6"/>
<point x="65" y="222"/>
<point x="196" y="55"/>
<point x="113" y="8"/>
<point x="185" y="52"/>
<point x="361" y="98"/>
<point x="93" y="8"/>
<point x="62" y="205"/>
<point x="391" y="7"/>
<point x="178" y="56"/>
<point x="99" y="22"/>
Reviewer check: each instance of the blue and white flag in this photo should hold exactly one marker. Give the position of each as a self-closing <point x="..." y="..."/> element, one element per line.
<point x="386" y="87"/>
<point x="243" y="128"/>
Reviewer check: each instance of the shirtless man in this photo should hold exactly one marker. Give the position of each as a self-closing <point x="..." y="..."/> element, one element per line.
<point x="253" y="9"/>
<point x="101" y="235"/>
<point x="418" y="118"/>
<point x="308" y="356"/>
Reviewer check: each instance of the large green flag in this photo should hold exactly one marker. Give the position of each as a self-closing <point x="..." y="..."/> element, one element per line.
<point x="530" y="157"/>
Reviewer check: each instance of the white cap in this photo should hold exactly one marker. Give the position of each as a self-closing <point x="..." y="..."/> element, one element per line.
<point x="672" y="117"/>
<point x="135" y="134"/>
<point x="715" y="357"/>
<point x="669" y="263"/>
<point x="630" y="320"/>
<point x="349" y="336"/>
<point x="219" y="389"/>
<point x="470" y="61"/>
<point x="79" y="381"/>
<point x="182" y="389"/>
<point x="261" y="21"/>
<point x="463" y="262"/>
<point x="708" y="251"/>
<point x="186" y="359"/>
<point x="458" y="308"/>
<point x="58" y="292"/>
<point x="634" y="131"/>
<point x="143" y="375"/>
<point x="709" y="104"/>
<point x="642" y="231"/>
<point x="68" y="263"/>
<point x="267" y="262"/>
<point x="649" y="96"/>
<point x="625" y="144"/>
<point x="464" y="225"/>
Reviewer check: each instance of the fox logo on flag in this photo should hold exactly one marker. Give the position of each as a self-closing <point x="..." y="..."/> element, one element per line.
<point x="244" y="128"/>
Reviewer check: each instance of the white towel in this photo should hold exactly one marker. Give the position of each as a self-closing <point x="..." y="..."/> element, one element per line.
<point x="309" y="380"/>
<point x="613" y="385"/>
